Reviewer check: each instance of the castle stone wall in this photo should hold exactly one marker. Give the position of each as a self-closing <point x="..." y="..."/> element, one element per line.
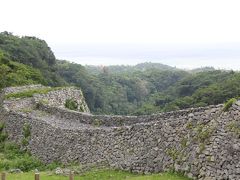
<point x="204" y="143"/>
<point x="58" y="98"/>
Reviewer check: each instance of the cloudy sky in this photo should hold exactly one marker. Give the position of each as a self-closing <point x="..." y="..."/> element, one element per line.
<point x="186" y="33"/>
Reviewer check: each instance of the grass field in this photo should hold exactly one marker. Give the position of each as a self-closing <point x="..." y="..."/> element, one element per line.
<point x="99" y="175"/>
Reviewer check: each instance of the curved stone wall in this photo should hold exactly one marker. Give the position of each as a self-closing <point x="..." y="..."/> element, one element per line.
<point x="204" y="143"/>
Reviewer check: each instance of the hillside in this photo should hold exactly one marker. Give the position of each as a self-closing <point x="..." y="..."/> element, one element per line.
<point x="32" y="52"/>
<point x="134" y="90"/>
<point x="151" y="90"/>
<point x="14" y="73"/>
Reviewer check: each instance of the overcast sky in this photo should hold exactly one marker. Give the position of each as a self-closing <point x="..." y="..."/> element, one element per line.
<point x="182" y="33"/>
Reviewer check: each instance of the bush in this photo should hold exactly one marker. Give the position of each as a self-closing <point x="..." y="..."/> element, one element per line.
<point x="26" y="130"/>
<point x="12" y="156"/>
<point x="71" y="104"/>
<point x="229" y="104"/>
<point x="3" y="135"/>
<point x="2" y="125"/>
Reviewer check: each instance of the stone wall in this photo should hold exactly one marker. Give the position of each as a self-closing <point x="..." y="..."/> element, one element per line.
<point x="204" y="143"/>
<point x="58" y="98"/>
<point x="116" y="120"/>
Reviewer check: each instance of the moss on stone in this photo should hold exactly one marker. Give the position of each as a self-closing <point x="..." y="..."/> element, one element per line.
<point x="184" y="142"/>
<point x="234" y="127"/>
<point x="71" y="104"/>
<point x="203" y="132"/>
<point x="97" y="123"/>
<point x="26" y="135"/>
<point x="26" y="110"/>
<point x="30" y="93"/>
<point x="173" y="153"/>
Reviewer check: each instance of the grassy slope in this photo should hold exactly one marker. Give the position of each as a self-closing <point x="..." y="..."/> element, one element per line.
<point x="99" y="175"/>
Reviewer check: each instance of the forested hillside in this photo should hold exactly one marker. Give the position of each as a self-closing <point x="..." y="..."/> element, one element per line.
<point x="123" y="68"/>
<point x="142" y="89"/>
<point x="33" y="52"/>
<point x="14" y="73"/>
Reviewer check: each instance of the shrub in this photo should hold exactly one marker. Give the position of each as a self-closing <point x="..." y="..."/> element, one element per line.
<point x="71" y="104"/>
<point x="14" y="157"/>
<point x="229" y="104"/>
<point x="97" y="122"/>
<point x="2" y="125"/>
<point x="3" y="135"/>
<point x="26" y="130"/>
<point x="26" y="135"/>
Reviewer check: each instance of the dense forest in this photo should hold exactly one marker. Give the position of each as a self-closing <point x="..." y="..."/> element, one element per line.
<point x="142" y="89"/>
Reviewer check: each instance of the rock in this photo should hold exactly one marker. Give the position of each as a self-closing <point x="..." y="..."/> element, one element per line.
<point x="212" y="159"/>
<point x="237" y="103"/>
<point x="191" y="115"/>
<point x="236" y="147"/>
<point x="58" y="171"/>
<point x="15" y="171"/>
<point x="64" y="171"/>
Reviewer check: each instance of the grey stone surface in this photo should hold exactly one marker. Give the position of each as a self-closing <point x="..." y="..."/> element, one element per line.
<point x="17" y="89"/>
<point x="58" y="98"/>
<point x="201" y="142"/>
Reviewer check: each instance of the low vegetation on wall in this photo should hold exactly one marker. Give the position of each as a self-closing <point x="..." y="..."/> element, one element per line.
<point x="16" y="160"/>
<point x="30" y="93"/>
<point x="13" y="157"/>
<point x="229" y="104"/>
<point x="71" y="104"/>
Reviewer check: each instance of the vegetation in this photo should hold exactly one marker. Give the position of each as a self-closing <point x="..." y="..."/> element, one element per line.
<point x="229" y="104"/>
<point x="13" y="156"/>
<point x="234" y="127"/>
<point x="131" y="90"/>
<point x="14" y="73"/>
<point x="3" y="135"/>
<point x="71" y="104"/>
<point x="101" y="175"/>
<point x="32" y="52"/>
<point x="26" y="134"/>
<point x="135" y="91"/>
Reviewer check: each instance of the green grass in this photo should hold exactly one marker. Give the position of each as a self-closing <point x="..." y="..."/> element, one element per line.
<point x="99" y="175"/>
<point x="229" y="104"/>
<point x="30" y="93"/>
